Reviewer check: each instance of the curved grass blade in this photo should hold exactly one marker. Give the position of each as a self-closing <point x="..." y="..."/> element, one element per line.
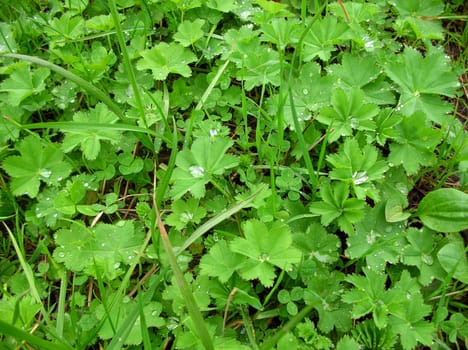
<point x="219" y="218"/>
<point x="184" y="288"/>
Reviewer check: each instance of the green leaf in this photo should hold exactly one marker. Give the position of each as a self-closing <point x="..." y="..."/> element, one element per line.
<point x="260" y="67"/>
<point x="165" y="58"/>
<point x="89" y="140"/>
<point x="347" y="343"/>
<point x="420" y="253"/>
<point x="415" y="144"/>
<point x="358" y="167"/>
<point x="101" y="250"/>
<point x="189" y="32"/>
<point x="220" y="262"/>
<point x="281" y="32"/>
<point x="348" y="113"/>
<point x="37" y="163"/>
<point x="420" y="80"/>
<point x="23" y="83"/>
<point x="444" y="210"/>
<point x="185" y="213"/>
<point x="196" y="167"/>
<point x="320" y="41"/>
<point x="337" y="206"/>
<point x="265" y="246"/>
<point x="316" y="243"/>
<point x="452" y="257"/>
<point x="427" y="8"/>
<point x="375" y="239"/>
<point x="116" y="316"/>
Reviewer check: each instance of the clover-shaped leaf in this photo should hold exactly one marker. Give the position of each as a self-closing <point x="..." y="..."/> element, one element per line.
<point x="37" y="163"/>
<point x="167" y="58"/>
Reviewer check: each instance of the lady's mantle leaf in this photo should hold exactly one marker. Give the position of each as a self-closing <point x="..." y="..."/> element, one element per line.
<point x="23" y="83"/>
<point x="221" y="262"/>
<point x="415" y="144"/>
<point x="337" y="206"/>
<point x="188" y="32"/>
<point x="421" y="79"/>
<point x="184" y="213"/>
<point x="167" y="58"/>
<point x="101" y="250"/>
<point x="89" y="140"/>
<point x="266" y="247"/>
<point x="196" y="167"/>
<point x="348" y="113"/>
<point x="35" y="164"/>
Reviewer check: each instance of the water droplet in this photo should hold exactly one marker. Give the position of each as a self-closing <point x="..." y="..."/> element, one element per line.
<point x="213" y="132"/>
<point x="45" y="173"/>
<point x="154" y="313"/>
<point x="197" y="171"/>
<point x="61" y="255"/>
<point x="130" y="257"/>
<point x="427" y="259"/>
<point x="360" y="177"/>
<point x="116" y="265"/>
<point x="264" y="257"/>
<point x="186" y="217"/>
<point x="305" y="91"/>
<point x="86" y="184"/>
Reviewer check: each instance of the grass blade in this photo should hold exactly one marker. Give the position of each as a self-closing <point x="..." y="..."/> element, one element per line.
<point x="219" y="218"/>
<point x="184" y="288"/>
<point x="127" y="63"/>
<point x="302" y="144"/>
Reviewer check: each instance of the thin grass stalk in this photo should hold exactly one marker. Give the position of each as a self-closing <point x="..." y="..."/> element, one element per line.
<point x="201" y="230"/>
<point x="61" y="304"/>
<point x="301" y="141"/>
<point x="201" y="103"/>
<point x="85" y="85"/>
<point x="249" y="328"/>
<point x="127" y="62"/>
<point x="164" y="183"/>
<point x="72" y="126"/>
<point x="184" y="288"/>
<point x="28" y="274"/>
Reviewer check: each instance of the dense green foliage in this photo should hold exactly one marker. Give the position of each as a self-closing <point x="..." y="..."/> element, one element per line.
<point x="232" y="174"/>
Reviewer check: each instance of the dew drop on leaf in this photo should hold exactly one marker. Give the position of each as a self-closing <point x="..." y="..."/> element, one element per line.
<point x="61" y="255"/>
<point x="197" y="171"/>
<point x="45" y="173"/>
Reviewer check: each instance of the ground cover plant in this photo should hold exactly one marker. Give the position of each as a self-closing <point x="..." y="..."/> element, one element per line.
<point x="236" y="174"/>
